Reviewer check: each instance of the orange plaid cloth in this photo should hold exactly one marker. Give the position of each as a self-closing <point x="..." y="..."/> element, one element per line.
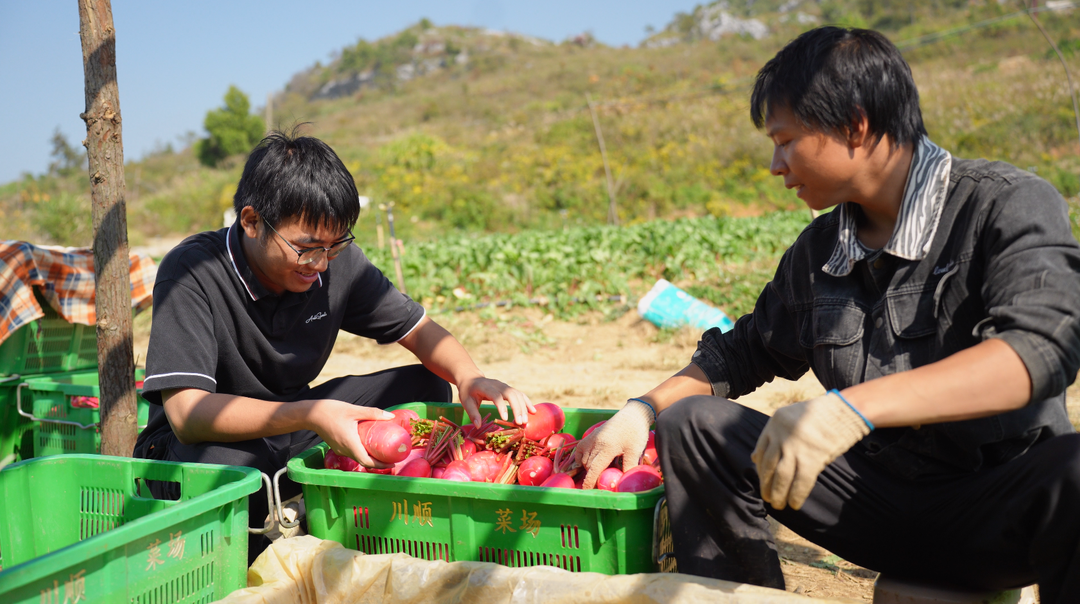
<point x="65" y="278"/>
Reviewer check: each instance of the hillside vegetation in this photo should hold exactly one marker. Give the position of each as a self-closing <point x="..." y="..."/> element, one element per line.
<point x="470" y="131"/>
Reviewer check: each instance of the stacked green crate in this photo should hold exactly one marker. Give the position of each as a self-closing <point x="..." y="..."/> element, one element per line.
<point x="49" y="345"/>
<point x="60" y="424"/>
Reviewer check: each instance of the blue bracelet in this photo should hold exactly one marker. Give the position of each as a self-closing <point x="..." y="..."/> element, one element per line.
<point x="841" y="396"/>
<point x="651" y="408"/>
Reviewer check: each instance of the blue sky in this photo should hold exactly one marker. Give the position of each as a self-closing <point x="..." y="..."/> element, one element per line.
<point x="176" y="59"/>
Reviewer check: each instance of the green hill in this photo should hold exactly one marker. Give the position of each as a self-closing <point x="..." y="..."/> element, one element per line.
<point x="470" y="131"/>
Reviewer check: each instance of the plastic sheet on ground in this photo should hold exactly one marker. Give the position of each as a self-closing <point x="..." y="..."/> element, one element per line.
<point x="307" y="570"/>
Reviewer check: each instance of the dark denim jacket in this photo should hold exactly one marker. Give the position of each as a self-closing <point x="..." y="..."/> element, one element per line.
<point x="1003" y="264"/>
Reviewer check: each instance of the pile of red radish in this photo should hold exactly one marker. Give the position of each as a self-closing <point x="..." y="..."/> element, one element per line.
<point x="536" y="454"/>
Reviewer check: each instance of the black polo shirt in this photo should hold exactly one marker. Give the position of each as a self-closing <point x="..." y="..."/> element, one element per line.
<point x="217" y="328"/>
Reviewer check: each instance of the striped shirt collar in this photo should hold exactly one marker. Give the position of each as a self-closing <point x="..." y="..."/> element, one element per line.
<point x="920" y="210"/>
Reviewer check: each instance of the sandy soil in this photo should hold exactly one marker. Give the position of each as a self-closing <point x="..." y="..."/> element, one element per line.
<point x="597" y="362"/>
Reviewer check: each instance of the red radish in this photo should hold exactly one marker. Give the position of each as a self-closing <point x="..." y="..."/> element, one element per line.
<point x="437" y="472"/>
<point x="456" y="476"/>
<point x="330" y="461"/>
<point x="559" y="481"/>
<point x="639" y="478"/>
<point x="534" y="471"/>
<point x="348" y="464"/>
<point x="483" y="466"/>
<point x="557" y="412"/>
<point x="557" y="440"/>
<point x="609" y="479"/>
<point x="591" y="428"/>
<point x="650" y="455"/>
<point x="457" y="470"/>
<point x="385" y="471"/>
<point x="333" y="461"/>
<point x="458" y="465"/>
<point x="548" y="419"/>
<point x="362" y="428"/>
<point x="468" y="447"/>
<point x="385" y="441"/>
<point x="402" y="418"/>
<point x="413" y="454"/>
<point x="416" y="468"/>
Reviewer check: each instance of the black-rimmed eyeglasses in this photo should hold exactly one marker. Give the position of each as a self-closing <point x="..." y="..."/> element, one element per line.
<point x="311" y="254"/>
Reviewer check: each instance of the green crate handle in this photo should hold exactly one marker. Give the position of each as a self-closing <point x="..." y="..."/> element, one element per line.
<point x="47" y="420"/>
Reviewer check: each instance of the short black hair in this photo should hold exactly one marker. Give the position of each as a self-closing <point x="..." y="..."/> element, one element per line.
<point x="829" y="77"/>
<point x="289" y="176"/>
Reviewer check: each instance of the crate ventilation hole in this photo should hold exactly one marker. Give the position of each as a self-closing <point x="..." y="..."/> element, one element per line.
<point x="100" y="510"/>
<point x="197" y="582"/>
<point x="519" y="558"/>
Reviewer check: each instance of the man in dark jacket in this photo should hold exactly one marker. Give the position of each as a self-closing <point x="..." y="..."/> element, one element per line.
<point x="938" y="304"/>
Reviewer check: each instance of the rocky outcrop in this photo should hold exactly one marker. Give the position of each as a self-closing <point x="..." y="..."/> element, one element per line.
<point x="714" y="22"/>
<point x="345" y="86"/>
<point x="436" y="49"/>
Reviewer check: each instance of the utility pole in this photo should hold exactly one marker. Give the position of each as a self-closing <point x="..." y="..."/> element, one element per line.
<point x="112" y="276"/>
<point x="395" y="251"/>
<point x="612" y="212"/>
<point x="269" y="112"/>
<point x="1064" y="66"/>
<point x="378" y="226"/>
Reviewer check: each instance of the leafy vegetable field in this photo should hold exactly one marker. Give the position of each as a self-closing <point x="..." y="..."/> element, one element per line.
<point x="723" y="260"/>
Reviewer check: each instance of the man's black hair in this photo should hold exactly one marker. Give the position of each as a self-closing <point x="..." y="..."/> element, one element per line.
<point x="829" y="77"/>
<point x="289" y="176"/>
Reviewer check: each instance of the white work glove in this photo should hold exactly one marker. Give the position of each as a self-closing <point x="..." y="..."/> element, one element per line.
<point x="799" y="441"/>
<point x="626" y="434"/>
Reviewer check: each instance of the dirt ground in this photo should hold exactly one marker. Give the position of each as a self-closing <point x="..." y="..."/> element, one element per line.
<point x="599" y="362"/>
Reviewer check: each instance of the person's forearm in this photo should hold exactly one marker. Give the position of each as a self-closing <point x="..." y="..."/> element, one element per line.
<point x="986" y="379"/>
<point x="197" y="416"/>
<point x="690" y="381"/>
<point x="440" y="352"/>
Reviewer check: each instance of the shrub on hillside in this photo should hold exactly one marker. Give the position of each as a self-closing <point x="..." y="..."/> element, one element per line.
<point x="232" y="128"/>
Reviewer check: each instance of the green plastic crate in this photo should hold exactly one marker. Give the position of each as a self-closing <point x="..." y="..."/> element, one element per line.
<point x="55" y="431"/>
<point x="48" y="345"/>
<point x="16" y="431"/>
<point x="84" y="528"/>
<point x="433" y="519"/>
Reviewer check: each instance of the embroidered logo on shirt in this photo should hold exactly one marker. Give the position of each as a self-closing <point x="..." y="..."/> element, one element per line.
<point x="941" y="270"/>
<point x="315" y="317"/>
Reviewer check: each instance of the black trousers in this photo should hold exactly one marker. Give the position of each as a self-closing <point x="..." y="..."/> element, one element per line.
<point x="413" y="383"/>
<point x="1001" y="527"/>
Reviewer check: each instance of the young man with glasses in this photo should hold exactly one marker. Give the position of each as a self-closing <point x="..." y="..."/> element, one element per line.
<point x="246" y="317"/>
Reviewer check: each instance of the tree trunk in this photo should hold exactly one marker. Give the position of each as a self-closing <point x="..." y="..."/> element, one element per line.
<point x="104" y="148"/>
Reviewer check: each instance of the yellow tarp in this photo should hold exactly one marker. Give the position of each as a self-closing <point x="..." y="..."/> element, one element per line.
<point x="307" y="570"/>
